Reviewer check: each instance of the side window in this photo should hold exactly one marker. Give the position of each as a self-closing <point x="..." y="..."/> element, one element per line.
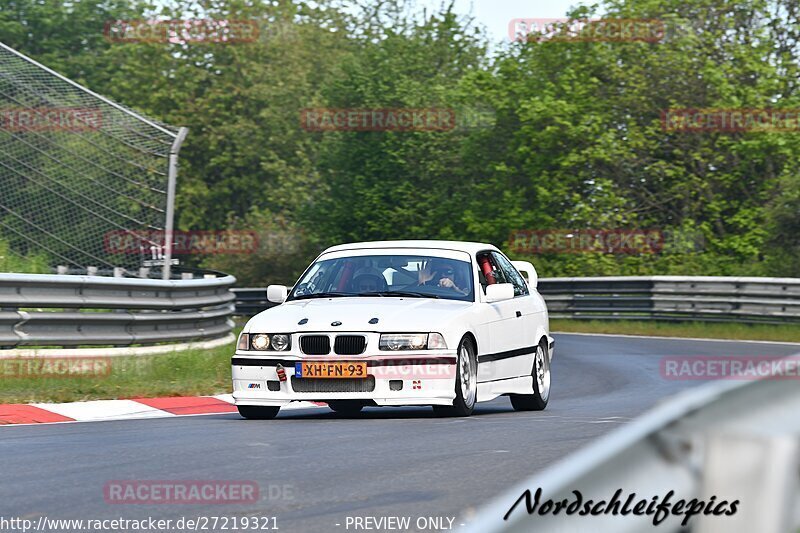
<point x="489" y="272"/>
<point x="512" y="274"/>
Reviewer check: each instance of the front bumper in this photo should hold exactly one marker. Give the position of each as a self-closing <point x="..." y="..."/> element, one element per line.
<point x="426" y="379"/>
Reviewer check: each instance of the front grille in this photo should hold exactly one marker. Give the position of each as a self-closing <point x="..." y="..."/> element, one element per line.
<point x="315" y="344"/>
<point x="333" y="385"/>
<point x="349" y="344"/>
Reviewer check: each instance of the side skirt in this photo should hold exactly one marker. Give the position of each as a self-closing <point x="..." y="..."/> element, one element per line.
<point x="489" y="390"/>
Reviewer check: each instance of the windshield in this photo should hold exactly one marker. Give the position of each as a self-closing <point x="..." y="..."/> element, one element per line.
<point x="412" y="276"/>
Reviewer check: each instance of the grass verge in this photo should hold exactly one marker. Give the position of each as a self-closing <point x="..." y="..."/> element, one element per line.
<point x="186" y="373"/>
<point x="706" y="330"/>
<point x="206" y="372"/>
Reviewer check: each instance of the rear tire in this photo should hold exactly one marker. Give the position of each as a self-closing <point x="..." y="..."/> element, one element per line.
<point x="541" y="383"/>
<point x="346" y="407"/>
<point x="466" y="382"/>
<point x="258" y="412"/>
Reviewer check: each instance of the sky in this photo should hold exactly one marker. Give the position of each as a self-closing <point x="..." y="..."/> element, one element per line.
<point x="496" y="14"/>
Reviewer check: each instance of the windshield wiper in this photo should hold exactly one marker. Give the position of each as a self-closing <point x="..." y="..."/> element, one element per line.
<point x="322" y="295"/>
<point x="398" y="293"/>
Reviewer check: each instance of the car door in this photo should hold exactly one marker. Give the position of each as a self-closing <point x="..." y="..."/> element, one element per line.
<point x="524" y="326"/>
<point x="502" y="325"/>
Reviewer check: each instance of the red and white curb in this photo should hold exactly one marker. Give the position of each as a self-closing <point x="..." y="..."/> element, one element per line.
<point x="97" y="410"/>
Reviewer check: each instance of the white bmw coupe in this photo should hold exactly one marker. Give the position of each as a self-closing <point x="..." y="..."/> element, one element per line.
<point x="439" y="323"/>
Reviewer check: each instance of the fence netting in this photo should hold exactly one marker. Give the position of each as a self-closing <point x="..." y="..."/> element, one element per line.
<point x="76" y="169"/>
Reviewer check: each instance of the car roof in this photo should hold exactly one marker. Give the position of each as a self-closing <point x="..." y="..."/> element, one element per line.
<point x="462" y="246"/>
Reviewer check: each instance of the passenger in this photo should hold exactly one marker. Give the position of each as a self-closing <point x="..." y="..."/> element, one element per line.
<point x="369" y="280"/>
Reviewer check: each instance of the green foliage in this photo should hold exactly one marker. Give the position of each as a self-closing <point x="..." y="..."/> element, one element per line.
<point x="575" y="141"/>
<point x="282" y="247"/>
<point x="11" y="261"/>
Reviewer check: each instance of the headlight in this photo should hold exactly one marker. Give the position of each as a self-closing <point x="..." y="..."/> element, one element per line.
<point x="280" y="342"/>
<point x="412" y="341"/>
<point x="260" y="342"/>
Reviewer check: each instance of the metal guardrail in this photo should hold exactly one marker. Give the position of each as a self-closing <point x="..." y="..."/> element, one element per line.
<point x="68" y="311"/>
<point x="676" y="298"/>
<point x="724" y="441"/>
<point x="251" y="300"/>
<point x="715" y="299"/>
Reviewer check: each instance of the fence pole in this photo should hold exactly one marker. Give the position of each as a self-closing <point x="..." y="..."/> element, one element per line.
<point x="170" y="223"/>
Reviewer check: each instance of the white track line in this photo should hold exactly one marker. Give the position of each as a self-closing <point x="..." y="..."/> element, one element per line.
<point x="672" y="338"/>
<point x="103" y="410"/>
<point x="100" y="410"/>
<point x="228" y="398"/>
<point x="137" y="351"/>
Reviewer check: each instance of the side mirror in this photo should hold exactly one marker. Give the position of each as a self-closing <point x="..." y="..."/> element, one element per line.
<point x="499" y="292"/>
<point x="277" y="293"/>
<point x="528" y="272"/>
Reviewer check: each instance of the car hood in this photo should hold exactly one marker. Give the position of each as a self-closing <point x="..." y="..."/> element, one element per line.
<point x="393" y="314"/>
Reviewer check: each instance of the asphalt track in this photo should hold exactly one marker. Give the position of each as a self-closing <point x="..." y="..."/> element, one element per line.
<point x="315" y="468"/>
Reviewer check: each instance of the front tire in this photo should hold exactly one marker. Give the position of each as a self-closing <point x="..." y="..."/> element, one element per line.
<point x="258" y="412"/>
<point x="541" y="383"/>
<point x="466" y="382"/>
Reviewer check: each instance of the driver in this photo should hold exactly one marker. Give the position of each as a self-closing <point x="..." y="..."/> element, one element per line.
<point x="440" y="274"/>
